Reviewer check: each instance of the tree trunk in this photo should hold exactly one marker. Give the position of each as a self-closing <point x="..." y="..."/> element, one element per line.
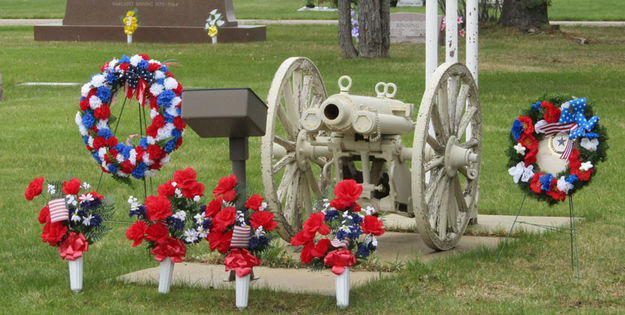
<point x="374" y="22"/>
<point x="524" y="14"/>
<point x="345" y="30"/>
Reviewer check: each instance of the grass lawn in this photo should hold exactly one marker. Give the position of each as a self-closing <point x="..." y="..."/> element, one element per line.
<point x="596" y="10"/>
<point x="41" y="139"/>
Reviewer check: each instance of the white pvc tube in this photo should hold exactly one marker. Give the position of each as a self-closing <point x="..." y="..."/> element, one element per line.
<point x="242" y="287"/>
<point x="451" y="31"/>
<point x="214" y="39"/>
<point x="342" y="289"/>
<point x="129" y="39"/>
<point x="166" y="274"/>
<point x="75" y="274"/>
<point x="472" y="37"/>
<point x="431" y="39"/>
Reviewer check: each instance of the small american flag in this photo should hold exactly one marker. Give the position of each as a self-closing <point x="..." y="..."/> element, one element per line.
<point x="553" y="128"/>
<point x="58" y="211"/>
<point x="340" y="243"/>
<point x="240" y="237"/>
<point x="567" y="151"/>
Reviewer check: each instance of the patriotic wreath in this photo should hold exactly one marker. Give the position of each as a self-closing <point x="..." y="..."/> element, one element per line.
<point x="149" y="81"/>
<point x="568" y="135"/>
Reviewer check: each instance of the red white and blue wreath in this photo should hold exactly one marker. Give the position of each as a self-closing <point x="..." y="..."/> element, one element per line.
<point x="149" y="81"/>
<point x="568" y="134"/>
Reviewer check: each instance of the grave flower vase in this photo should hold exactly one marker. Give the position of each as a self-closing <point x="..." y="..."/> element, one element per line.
<point x="75" y="274"/>
<point x="214" y="39"/>
<point x="242" y="287"/>
<point x="129" y="39"/>
<point x="342" y="289"/>
<point x="167" y="272"/>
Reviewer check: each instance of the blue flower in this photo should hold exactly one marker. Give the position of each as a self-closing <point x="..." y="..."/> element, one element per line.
<point x="95" y="220"/>
<point x="591" y="135"/>
<point x="124" y="59"/>
<point x="112" y="168"/>
<point x="545" y="181"/>
<point x="175" y="223"/>
<point x="139" y="212"/>
<point x="139" y="171"/>
<point x="536" y="106"/>
<point x="176" y="133"/>
<point x="143" y="64"/>
<point x="342" y="234"/>
<point x="332" y="215"/>
<point x="144" y="142"/>
<point x="96" y="156"/>
<point x="207" y="223"/>
<point x="258" y="242"/>
<point x="170" y="146"/>
<point x="104" y="94"/>
<point x="111" y="77"/>
<point x="517" y="129"/>
<point x="355" y="232"/>
<point x="88" y="119"/>
<point x="572" y="178"/>
<point x="164" y="99"/>
<point x="363" y="251"/>
<point x="164" y="69"/>
<point x="106" y="133"/>
<point x="168" y="118"/>
<point x="89" y="205"/>
<point x="85" y="139"/>
<point x="356" y="219"/>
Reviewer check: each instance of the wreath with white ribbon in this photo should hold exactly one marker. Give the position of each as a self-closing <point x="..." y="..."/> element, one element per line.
<point x="554" y="151"/>
<point x="150" y="82"/>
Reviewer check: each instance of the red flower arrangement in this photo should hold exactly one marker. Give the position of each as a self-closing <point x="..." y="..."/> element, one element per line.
<point x="71" y="220"/>
<point x="340" y="223"/>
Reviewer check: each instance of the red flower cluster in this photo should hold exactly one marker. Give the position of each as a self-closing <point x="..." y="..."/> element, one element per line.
<point x="372" y="225"/>
<point x="346" y="192"/>
<point x="225" y="188"/>
<point x="34" y="188"/>
<point x="575" y="164"/>
<point x="552" y="113"/>
<point x="72" y="187"/>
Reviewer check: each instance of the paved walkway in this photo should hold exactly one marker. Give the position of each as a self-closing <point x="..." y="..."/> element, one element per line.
<point x="30" y="22"/>
<point x="393" y="247"/>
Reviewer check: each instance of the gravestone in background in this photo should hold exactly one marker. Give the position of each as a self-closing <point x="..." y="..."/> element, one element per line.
<point x="410" y="3"/>
<point x="409" y="27"/>
<point x="174" y="21"/>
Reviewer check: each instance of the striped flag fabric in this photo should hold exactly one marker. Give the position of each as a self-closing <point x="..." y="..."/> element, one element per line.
<point x="241" y="237"/>
<point x="567" y="151"/>
<point x="553" y="128"/>
<point x="340" y="243"/>
<point x="58" y="211"/>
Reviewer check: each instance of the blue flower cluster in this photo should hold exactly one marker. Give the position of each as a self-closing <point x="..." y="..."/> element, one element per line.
<point x="517" y="129"/>
<point x="365" y="249"/>
<point x="332" y="215"/>
<point x="139" y="212"/>
<point x="90" y="205"/>
<point x="258" y="242"/>
<point x="545" y="181"/>
<point x="351" y="228"/>
<point x="175" y="223"/>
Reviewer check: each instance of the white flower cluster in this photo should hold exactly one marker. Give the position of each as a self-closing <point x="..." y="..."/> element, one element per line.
<point x="134" y="203"/>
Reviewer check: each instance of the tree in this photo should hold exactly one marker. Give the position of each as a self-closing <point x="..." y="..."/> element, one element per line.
<point x="525" y="14"/>
<point x="374" y="19"/>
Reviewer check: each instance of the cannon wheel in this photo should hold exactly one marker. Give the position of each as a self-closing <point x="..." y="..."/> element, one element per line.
<point x="446" y="165"/>
<point x="288" y="177"/>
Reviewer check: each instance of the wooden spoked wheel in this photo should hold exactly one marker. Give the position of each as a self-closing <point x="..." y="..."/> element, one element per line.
<point x="291" y="180"/>
<point x="446" y="159"/>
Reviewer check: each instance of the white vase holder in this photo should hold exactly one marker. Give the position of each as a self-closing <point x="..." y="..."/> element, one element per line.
<point x="242" y="288"/>
<point x="342" y="289"/>
<point x="214" y="39"/>
<point x="129" y="39"/>
<point x="166" y="275"/>
<point x="75" y="274"/>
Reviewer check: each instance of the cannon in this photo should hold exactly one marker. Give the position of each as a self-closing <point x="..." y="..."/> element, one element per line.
<point x="313" y="140"/>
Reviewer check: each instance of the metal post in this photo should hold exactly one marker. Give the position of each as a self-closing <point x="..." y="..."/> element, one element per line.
<point x="238" y="155"/>
<point x="511" y="228"/>
<point x="573" y="234"/>
<point x="472" y="38"/>
<point x="451" y="31"/>
<point x="431" y="39"/>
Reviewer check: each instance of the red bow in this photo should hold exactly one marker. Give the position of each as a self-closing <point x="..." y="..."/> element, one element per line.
<point x="339" y="259"/>
<point x="241" y="261"/>
<point x="73" y="246"/>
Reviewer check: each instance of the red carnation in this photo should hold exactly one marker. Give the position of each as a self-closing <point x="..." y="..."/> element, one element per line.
<point x="179" y="123"/>
<point x="186" y="176"/>
<point x="339" y="259"/>
<point x="554" y="192"/>
<point x="34" y="188"/>
<point x="166" y="189"/>
<point x="254" y="203"/>
<point x="124" y="66"/>
<point x="193" y="189"/>
<point x="151" y="131"/>
<point x="155" y="152"/>
<point x="220" y="241"/>
<point x="84" y="104"/>
<point x="111" y="142"/>
<point x="346" y="192"/>
<point x="223" y="219"/>
<point x="157" y="208"/>
<point x="127" y="167"/>
<point x="552" y="113"/>
<point x="169" y="247"/>
<point x="136" y="232"/>
<point x="315" y="224"/>
<point x="102" y="112"/>
<point x="372" y="225"/>
<point x="528" y="141"/>
<point x="178" y="89"/>
<point x="53" y="233"/>
<point x="144" y="57"/>
<point x="574" y="162"/>
<point x="156" y="232"/>
<point x="311" y="250"/>
<point x="226" y="188"/>
<point x="264" y="219"/>
<point x="535" y="184"/>
<point x="158" y="121"/>
<point x="99" y="142"/>
<point x="44" y="215"/>
<point x="72" y="187"/>
<point x="153" y="66"/>
<point x="302" y="238"/>
<point x="528" y="126"/>
<point x="178" y="143"/>
<point x="213" y="207"/>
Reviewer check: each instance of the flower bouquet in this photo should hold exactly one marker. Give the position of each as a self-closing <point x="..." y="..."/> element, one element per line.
<point x="170" y="220"/>
<point x="213" y="22"/>
<point x="239" y="234"/>
<point x="340" y="224"/>
<point x="73" y="220"/>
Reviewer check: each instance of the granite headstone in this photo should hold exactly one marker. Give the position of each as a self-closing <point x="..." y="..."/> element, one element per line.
<point x="159" y="21"/>
<point x="409" y="27"/>
<point x="410" y="3"/>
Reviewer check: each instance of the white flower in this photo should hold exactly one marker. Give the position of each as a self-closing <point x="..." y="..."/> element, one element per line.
<point x="148" y="173"/>
<point x="590" y="144"/>
<point x="51" y="189"/>
<point x="180" y="215"/>
<point x="586" y="166"/>
<point x="170" y="83"/>
<point x="70" y="199"/>
<point x="150" y="140"/>
<point x="565" y="105"/>
<point x="122" y="174"/>
<point x="134" y="60"/>
<point x="103" y="124"/>
<point x="263" y="206"/>
<point x="345" y="227"/>
<point x="174" y="184"/>
<point x="520" y="149"/>
<point x="84" y="90"/>
<point x="85" y="197"/>
<point x="164" y="132"/>
<point x="87" y="220"/>
<point x="202" y="233"/>
<point x="172" y="110"/>
<point x="75" y="217"/>
<point x="191" y="235"/>
<point x="521" y="172"/>
<point x="133" y="157"/>
<point x="94" y="102"/>
<point x="86" y="185"/>
<point x="196" y="198"/>
<point x="90" y="141"/>
<point x="200" y="217"/>
<point x="101" y="152"/>
<point x="97" y="81"/>
<point x="175" y="101"/>
<point x="259" y="232"/>
<point x="156" y="89"/>
<point x="178" y="193"/>
<point x="78" y="119"/>
<point x="153" y="113"/>
<point x="563" y="185"/>
<point x="158" y="74"/>
<point x="165" y="159"/>
<point x="369" y="210"/>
